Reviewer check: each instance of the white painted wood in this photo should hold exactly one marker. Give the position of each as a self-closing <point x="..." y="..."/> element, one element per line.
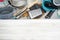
<point x="30" y="30"/>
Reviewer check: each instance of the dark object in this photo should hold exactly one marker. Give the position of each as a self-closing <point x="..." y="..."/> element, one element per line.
<point x="35" y="6"/>
<point x="50" y="14"/>
<point x="49" y="5"/>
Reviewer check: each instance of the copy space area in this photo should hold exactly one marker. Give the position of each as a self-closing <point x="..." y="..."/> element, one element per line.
<point x="30" y="30"/>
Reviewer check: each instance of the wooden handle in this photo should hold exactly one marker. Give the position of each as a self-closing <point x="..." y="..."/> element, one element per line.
<point x="30" y="5"/>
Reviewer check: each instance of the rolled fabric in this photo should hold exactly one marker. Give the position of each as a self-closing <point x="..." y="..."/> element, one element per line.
<point x="6" y="13"/>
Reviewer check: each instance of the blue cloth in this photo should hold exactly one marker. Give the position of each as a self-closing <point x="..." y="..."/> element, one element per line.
<point x="6" y="13"/>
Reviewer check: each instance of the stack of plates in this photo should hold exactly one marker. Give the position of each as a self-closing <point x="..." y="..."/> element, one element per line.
<point x="56" y="2"/>
<point x="18" y="3"/>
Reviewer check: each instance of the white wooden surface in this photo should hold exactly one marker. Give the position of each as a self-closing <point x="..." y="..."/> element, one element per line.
<point x="30" y="30"/>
